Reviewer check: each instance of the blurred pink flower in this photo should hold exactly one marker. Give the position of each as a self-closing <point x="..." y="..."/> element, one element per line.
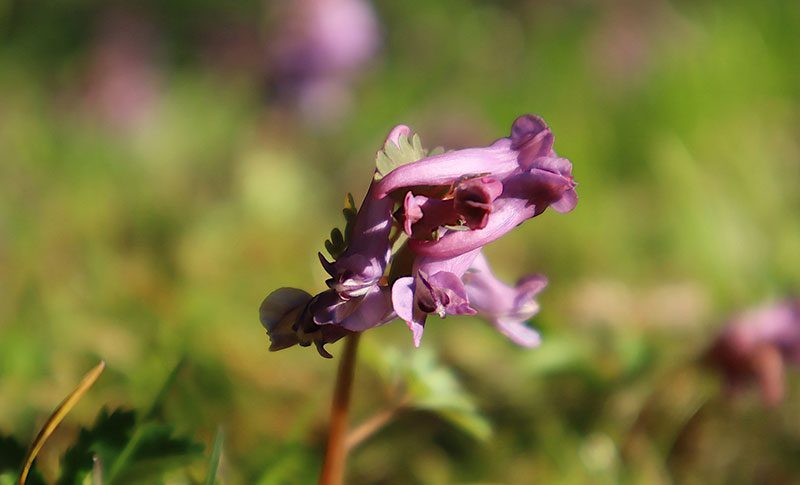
<point x="320" y="47"/>
<point x="123" y="80"/>
<point x="756" y="346"/>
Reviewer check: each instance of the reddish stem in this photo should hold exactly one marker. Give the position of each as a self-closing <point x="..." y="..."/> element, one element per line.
<point x="336" y="450"/>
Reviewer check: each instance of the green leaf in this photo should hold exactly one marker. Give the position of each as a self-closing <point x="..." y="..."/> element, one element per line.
<point x="337" y="238"/>
<point x="12" y="454"/>
<point x="157" y="408"/>
<point x="408" y="150"/>
<point x="127" y="451"/>
<point x="289" y="464"/>
<point x="350" y="203"/>
<point x="331" y="249"/>
<point x="216" y="455"/>
<point x="340" y="240"/>
<point x="435" y="388"/>
<point x="152" y="449"/>
<point x="106" y="438"/>
<point x="429" y="386"/>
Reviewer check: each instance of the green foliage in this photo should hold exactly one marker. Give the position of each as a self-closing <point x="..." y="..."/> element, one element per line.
<point x="215" y="457"/>
<point x="435" y="388"/>
<point x="429" y="386"/>
<point x="126" y="449"/>
<point x="339" y="240"/>
<point x="12" y="453"/>
<point x="408" y="150"/>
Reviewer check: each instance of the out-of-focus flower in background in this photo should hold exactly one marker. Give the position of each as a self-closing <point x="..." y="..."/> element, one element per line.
<point x="758" y="345"/>
<point x="318" y="50"/>
<point x="122" y="82"/>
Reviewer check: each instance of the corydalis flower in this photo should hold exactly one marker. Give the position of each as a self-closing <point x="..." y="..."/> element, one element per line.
<point x="519" y="177"/>
<point x="469" y="204"/>
<point x="756" y="346"/>
<point x="355" y="299"/>
<point x="448" y="206"/>
<point x="507" y="308"/>
<point x="434" y="286"/>
<point x="465" y="285"/>
<point x="364" y="261"/>
<point x="459" y="201"/>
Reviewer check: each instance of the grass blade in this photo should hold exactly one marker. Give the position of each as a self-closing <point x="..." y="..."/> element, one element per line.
<point x="58" y="415"/>
<point x="216" y="455"/>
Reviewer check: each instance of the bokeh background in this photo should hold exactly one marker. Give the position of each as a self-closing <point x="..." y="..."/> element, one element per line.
<point x="164" y="165"/>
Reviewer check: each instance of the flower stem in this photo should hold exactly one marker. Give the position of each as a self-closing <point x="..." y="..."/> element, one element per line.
<point x="336" y="449"/>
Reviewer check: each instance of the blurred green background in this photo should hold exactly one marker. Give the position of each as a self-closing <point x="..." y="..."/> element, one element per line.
<point x="155" y="185"/>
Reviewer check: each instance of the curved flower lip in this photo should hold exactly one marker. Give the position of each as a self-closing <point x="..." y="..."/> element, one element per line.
<point x="505" y="307"/>
<point x="413" y="298"/>
<point x="508" y="214"/>
<point x="278" y="313"/>
<point x="371" y="310"/>
<point x="530" y="139"/>
<point x="412" y="211"/>
<point x="442" y="292"/>
<point x="404" y="306"/>
<point x="543" y="188"/>
<point x="449" y="167"/>
<point x="525" y="128"/>
<point x="525" y="195"/>
<point x="354" y="275"/>
<point x="422" y="215"/>
<point x="517" y="332"/>
<point x="471" y="203"/>
<point x="287" y="315"/>
<point x="447" y="294"/>
<point x="473" y="200"/>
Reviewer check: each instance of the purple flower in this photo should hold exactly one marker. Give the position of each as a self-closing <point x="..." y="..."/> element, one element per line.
<point x="464" y="285"/>
<point x="449" y="206"/>
<point x="363" y="263"/>
<point x="505" y="307"/>
<point x="469" y="203"/>
<point x="530" y="173"/>
<point x="757" y="345"/>
<point x="285" y="314"/>
<point x="434" y="287"/>
<point x="293" y="317"/>
<point x="530" y="139"/>
<point x="526" y="194"/>
<point x="356" y="300"/>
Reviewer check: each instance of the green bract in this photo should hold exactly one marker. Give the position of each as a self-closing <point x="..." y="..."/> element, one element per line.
<point x="408" y="150"/>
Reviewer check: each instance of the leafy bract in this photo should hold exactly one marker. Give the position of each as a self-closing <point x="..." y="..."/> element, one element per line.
<point x="339" y="240"/>
<point x="408" y="150"/>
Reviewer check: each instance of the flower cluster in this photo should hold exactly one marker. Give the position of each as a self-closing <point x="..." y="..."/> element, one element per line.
<point x="414" y="246"/>
<point x="757" y="345"/>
